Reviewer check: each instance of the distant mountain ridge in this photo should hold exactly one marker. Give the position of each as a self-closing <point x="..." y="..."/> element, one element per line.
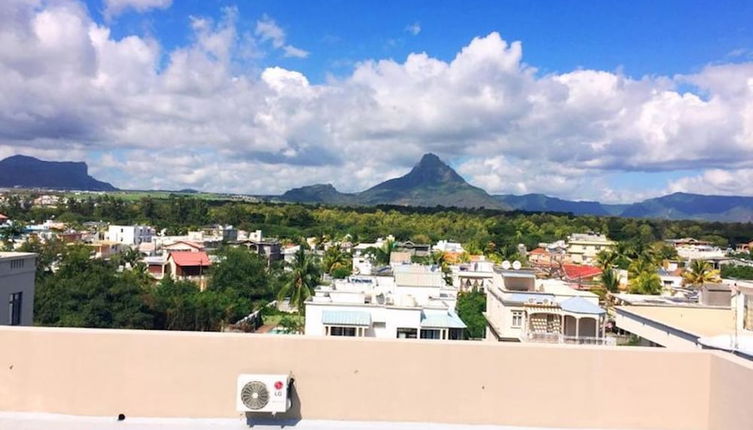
<point x="432" y="182"/>
<point x="30" y="172"/>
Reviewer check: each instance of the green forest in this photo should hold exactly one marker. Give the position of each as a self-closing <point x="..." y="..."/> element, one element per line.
<point x="478" y="229"/>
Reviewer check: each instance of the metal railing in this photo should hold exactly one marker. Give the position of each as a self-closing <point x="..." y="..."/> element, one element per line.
<point x="542" y="337"/>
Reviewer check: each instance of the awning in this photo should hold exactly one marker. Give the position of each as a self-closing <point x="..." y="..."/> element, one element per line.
<point x="579" y="305"/>
<point x="347" y="318"/>
<point x="441" y="319"/>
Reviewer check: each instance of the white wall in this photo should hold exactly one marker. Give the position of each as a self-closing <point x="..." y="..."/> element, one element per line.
<point x="385" y="320"/>
<point x="14" y="280"/>
<point x="130" y="234"/>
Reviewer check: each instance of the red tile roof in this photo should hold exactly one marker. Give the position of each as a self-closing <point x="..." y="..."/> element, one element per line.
<point x="3" y="216"/>
<point x="538" y="251"/>
<point x="577" y="271"/>
<point x="190" y="258"/>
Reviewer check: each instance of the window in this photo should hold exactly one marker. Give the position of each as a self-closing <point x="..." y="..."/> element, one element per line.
<point x="14" y="306"/>
<point x="431" y="334"/>
<point x="748" y="313"/>
<point x="16" y="264"/>
<point x="517" y="319"/>
<point x="456" y="334"/>
<point x="342" y="331"/>
<point x="407" y="333"/>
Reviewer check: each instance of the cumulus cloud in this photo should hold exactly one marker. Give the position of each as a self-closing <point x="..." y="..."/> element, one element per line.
<point x="268" y="31"/>
<point x="116" y="7"/>
<point x="190" y="117"/>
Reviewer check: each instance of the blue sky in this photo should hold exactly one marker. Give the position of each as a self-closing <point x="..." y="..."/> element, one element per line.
<point x="657" y="97"/>
<point x="640" y="37"/>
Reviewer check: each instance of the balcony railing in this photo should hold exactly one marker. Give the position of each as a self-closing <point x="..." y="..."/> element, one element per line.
<point x="541" y="337"/>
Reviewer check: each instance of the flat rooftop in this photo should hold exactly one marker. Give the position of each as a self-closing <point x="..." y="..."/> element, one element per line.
<point x="4" y="254"/>
<point x="698" y="321"/>
<point x="41" y="421"/>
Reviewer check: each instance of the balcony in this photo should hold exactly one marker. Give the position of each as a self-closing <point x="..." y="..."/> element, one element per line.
<point x="187" y="380"/>
<point x="557" y="338"/>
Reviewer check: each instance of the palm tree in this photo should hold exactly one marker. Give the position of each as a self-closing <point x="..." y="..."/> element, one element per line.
<point x="610" y="281"/>
<point x="440" y="260"/>
<point x="335" y="258"/>
<point x="304" y="277"/>
<point x="644" y="276"/>
<point x="382" y="254"/>
<point x="700" y="272"/>
<point x="606" y="259"/>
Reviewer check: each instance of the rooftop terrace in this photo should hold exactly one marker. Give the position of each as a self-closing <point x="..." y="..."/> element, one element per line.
<point x="189" y="380"/>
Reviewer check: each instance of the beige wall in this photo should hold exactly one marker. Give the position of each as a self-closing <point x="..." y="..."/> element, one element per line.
<point x="731" y="380"/>
<point x="174" y="374"/>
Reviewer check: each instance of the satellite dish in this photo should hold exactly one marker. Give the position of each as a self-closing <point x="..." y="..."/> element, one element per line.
<point x="506" y="265"/>
<point x="516" y="265"/>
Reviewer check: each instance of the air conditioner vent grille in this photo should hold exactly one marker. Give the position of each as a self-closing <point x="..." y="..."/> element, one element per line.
<point x="255" y="395"/>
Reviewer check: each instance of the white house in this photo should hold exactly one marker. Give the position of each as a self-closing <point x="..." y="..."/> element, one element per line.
<point x="17" y="282"/>
<point x="473" y="276"/>
<point x="413" y="304"/>
<point x="520" y="308"/>
<point x="583" y="247"/>
<point x="130" y="234"/>
<point x="447" y="246"/>
<point x="693" y="249"/>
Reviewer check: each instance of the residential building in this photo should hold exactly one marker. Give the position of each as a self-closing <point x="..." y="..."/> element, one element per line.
<point x="521" y="308"/>
<point x="191" y="266"/>
<point x="583" y="247"/>
<point x="157" y="265"/>
<point x="400" y="257"/>
<point x="580" y="275"/>
<point x="269" y="249"/>
<point x="693" y="249"/>
<point x="105" y="249"/>
<point x="671" y="280"/>
<point x="415" y="249"/>
<point x="17" y="282"/>
<point x="686" y="322"/>
<point x="474" y="276"/>
<point x="131" y="235"/>
<point x="183" y="246"/>
<point x="413" y="304"/>
<point x="288" y="253"/>
<point x="447" y="246"/>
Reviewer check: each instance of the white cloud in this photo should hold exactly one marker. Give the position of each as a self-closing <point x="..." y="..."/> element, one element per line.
<point x="191" y="116"/>
<point x="114" y="8"/>
<point x="268" y="31"/>
<point x="414" y="28"/>
<point x="716" y="181"/>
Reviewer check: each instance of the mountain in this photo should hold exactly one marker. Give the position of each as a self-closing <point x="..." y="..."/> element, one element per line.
<point x="29" y="172"/>
<point x="543" y="203"/>
<point x="694" y="206"/>
<point x="431" y="182"/>
<point x="319" y="193"/>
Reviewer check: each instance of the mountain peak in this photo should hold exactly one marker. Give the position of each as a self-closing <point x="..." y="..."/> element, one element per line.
<point x="432" y="170"/>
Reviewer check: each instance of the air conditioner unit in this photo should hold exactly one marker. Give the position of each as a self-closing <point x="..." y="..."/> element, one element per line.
<point x="263" y="393"/>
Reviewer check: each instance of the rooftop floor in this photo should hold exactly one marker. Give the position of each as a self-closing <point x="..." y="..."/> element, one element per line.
<point x="698" y="321"/>
<point x="39" y="421"/>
